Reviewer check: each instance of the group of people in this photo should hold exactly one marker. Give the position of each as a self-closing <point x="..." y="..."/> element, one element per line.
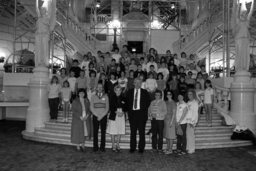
<point x="106" y="91"/>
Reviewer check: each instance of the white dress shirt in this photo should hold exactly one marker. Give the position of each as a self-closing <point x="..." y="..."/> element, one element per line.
<point x="138" y="99"/>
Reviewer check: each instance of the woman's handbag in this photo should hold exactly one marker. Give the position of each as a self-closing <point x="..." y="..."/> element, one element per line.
<point x="179" y="130"/>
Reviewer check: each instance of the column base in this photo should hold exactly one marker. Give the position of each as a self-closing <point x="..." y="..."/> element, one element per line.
<point x="242" y="101"/>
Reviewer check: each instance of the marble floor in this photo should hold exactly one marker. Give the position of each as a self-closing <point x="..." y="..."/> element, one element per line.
<point x="17" y="154"/>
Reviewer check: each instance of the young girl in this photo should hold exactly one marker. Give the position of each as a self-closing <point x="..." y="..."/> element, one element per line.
<point x="199" y="96"/>
<point x="151" y="86"/>
<point x="133" y="65"/>
<point x="72" y="85"/>
<point x="130" y="83"/>
<point x="200" y="79"/>
<point x="81" y="81"/>
<point x="53" y="97"/>
<point x="143" y="84"/>
<point x="63" y="76"/>
<point x="208" y="101"/>
<point x="122" y="81"/>
<point x="112" y="82"/>
<point x="91" y="84"/>
<point x="173" y="86"/>
<point x="65" y="97"/>
<point x="182" y="87"/>
<point x="160" y="82"/>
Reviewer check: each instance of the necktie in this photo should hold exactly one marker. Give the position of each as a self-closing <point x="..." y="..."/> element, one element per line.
<point x="136" y="99"/>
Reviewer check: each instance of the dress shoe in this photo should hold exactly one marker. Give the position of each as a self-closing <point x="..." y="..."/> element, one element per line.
<point x="141" y="151"/>
<point x="102" y="150"/>
<point x="132" y="151"/>
<point x="82" y="149"/>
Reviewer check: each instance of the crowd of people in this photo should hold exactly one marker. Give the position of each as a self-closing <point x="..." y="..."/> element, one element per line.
<point x="105" y="91"/>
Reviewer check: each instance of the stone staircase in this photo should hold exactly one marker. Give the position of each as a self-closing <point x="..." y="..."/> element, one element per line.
<point x="217" y="136"/>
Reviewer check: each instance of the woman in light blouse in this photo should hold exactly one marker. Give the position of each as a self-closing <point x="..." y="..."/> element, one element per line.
<point x="192" y="118"/>
<point x="181" y="113"/>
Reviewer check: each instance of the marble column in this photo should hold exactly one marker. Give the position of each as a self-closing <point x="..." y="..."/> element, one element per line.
<point x="242" y="88"/>
<point x="38" y="110"/>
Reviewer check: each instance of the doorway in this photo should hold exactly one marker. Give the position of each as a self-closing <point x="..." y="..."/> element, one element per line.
<point x="135" y="47"/>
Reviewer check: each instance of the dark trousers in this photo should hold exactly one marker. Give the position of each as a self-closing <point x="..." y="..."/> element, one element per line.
<point x="137" y="123"/>
<point x="53" y="105"/>
<point x="182" y="139"/>
<point x="102" y="124"/>
<point x="157" y="134"/>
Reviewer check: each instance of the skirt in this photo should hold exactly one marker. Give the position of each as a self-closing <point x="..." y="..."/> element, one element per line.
<point x="169" y="131"/>
<point x="116" y="127"/>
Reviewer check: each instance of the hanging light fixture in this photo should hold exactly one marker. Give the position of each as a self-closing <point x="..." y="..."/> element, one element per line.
<point x="98" y="4"/>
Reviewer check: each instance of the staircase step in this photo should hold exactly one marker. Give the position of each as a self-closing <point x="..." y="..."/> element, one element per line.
<point x="126" y="138"/>
<point x="216" y="136"/>
<point x="201" y="144"/>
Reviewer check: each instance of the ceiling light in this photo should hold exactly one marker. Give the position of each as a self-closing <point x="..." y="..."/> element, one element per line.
<point x="97" y="5"/>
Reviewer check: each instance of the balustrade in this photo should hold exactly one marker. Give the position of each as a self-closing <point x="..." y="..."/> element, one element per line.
<point x="222" y="103"/>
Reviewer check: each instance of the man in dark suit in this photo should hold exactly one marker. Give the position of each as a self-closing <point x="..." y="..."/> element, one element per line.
<point x="138" y="102"/>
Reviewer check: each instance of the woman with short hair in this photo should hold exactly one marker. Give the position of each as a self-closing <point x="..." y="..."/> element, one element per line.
<point x="192" y="118"/>
<point x="80" y="117"/>
<point x="181" y="113"/>
<point x="116" y="119"/>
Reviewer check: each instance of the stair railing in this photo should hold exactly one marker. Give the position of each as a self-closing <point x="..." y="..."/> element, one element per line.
<point x="203" y="26"/>
<point x="222" y="103"/>
<point x="68" y="21"/>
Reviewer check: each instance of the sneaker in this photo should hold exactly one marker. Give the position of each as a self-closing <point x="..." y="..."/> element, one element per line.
<point x="160" y="151"/>
<point x="182" y="153"/>
<point x="118" y="148"/>
<point x="102" y="150"/>
<point x="154" y="150"/>
<point x="168" y="152"/>
<point x="176" y="151"/>
<point x="165" y="150"/>
<point x="191" y="152"/>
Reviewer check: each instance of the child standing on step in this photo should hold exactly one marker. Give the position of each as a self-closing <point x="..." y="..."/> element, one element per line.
<point x="65" y="97"/>
<point x="208" y="101"/>
<point x="53" y="97"/>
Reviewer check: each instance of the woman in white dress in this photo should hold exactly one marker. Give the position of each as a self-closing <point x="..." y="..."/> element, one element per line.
<point x="116" y="123"/>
